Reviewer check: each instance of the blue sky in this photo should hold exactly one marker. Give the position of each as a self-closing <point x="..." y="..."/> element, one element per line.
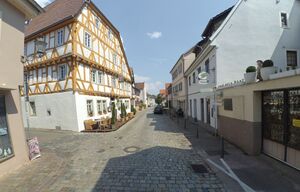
<point x="157" y="32"/>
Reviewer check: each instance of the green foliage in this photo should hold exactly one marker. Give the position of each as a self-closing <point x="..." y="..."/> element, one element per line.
<point x="123" y="111"/>
<point x="113" y="114"/>
<point x="158" y="99"/>
<point x="132" y="109"/>
<point x="268" y="63"/>
<point x="251" y="69"/>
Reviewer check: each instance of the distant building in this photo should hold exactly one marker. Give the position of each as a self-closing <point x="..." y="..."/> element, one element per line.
<point x="169" y="96"/>
<point x="13" y="146"/>
<point x="151" y="100"/>
<point x="143" y="92"/>
<point x="179" y="91"/>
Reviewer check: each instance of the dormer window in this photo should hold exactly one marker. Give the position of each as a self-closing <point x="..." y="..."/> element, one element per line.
<point x="60" y="37"/>
<point x="284" y="19"/>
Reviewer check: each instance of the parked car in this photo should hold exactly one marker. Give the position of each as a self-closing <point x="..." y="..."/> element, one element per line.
<point x="158" y="109"/>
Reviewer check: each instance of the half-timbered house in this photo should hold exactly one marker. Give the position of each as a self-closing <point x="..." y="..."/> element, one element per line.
<point x="83" y="70"/>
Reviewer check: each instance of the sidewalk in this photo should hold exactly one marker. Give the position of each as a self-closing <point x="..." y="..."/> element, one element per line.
<point x="261" y="173"/>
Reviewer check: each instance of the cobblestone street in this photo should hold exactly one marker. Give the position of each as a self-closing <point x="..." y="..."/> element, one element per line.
<point x="148" y="154"/>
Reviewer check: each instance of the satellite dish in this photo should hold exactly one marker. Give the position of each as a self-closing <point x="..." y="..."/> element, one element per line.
<point x="203" y="78"/>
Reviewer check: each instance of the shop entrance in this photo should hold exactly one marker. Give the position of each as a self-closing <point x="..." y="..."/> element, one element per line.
<point x="281" y="125"/>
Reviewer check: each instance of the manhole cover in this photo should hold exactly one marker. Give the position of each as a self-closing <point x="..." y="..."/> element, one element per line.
<point x="215" y="152"/>
<point x="131" y="149"/>
<point x="199" y="168"/>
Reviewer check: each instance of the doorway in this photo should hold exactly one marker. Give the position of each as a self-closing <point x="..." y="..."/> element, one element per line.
<point x="208" y="110"/>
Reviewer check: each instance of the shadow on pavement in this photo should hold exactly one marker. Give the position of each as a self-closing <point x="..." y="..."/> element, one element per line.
<point x="157" y="169"/>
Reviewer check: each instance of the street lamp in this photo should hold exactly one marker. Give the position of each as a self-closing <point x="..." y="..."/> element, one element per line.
<point x="40" y="47"/>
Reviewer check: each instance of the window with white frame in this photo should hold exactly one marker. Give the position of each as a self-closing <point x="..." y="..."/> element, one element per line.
<point x="109" y="34"/>
<point x="104" y="106"/>
<point x="54" y="73"/>
<point x="90" y="108"/>
<point x="284" y="19"/>
<point x="114" y="59"/>
<point x="62" y="72"/>
<point x="44" y="74"/>
<point x="32" y="108"/>
<point x="51" y="40"/>
<point x="97" y="22"/>
<point x="291" y="58"/>
<point x="99" y="107"/>
<point x="30" y="77"/>
<point x="100" y="77"/>
<point x="113" y="82"/>
<point x="87" y="40"/>
<point x="60" y="37"/>
<point x="94" y="75"/>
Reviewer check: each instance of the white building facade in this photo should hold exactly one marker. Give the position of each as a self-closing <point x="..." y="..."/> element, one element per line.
<point x="238" y="37"/>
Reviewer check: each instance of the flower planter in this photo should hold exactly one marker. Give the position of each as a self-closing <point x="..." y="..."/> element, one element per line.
<point x="266" y="72"/>
<point x="250" y="77"/>
<point x="283" y="74"/>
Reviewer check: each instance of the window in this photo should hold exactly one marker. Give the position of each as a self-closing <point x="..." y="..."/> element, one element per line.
<point x="194" y="77"/>
<point x="60" y="37"/>
<point x="90" y="109"/>
<point x="189" y="80"/>
<point x="32" y="109"/>
<point x="199" y="70"/>
<point x="115" y="59"/>
<point x="291" y="58"/>
<point x="99" y="107"/>
<point x="113" y="82"/>
<point x="44" y="74"/>
<point x="94" y="76"/>
<point x="207" y="66"/>
<point x="5" y="140"/>
<point x="54" y="73"/>
<point x="104" y="106"/>
<point x="87" y="40"/>
<point x="97" y="22"/>
<point x="51" y="40"/>
<point x="100" y="77"/>
<point x="62" y="72"/>
<point x="180" y="86"/>
<point x="109" y="34"/>
<point x="284" y="19"/>
<point x="228" y="104"/>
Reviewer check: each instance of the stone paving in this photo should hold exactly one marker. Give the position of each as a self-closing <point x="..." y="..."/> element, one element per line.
<point x="148" y="154"/>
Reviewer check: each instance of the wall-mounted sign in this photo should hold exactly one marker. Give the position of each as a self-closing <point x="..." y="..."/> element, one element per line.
<point x="296" y="123"/>
<point x="203" y="78"/>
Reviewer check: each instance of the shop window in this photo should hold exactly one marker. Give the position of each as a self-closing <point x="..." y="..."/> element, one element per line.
<point x="32" y="108"/>
<point x="6" y="150"/>
<point x="228" y="105"/>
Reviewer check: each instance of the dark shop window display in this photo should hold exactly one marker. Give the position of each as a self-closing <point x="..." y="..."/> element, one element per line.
<point x="5" y="141"/>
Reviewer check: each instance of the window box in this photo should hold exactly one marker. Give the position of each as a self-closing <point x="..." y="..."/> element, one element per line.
<point x="283" y="74"/>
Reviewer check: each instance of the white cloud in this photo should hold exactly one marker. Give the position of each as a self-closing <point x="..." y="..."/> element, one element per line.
<point x="43" y="3"/>
<point x="139" y="78"/>
<point x="155" y="35"/>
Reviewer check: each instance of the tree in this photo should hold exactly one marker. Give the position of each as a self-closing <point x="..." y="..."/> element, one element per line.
<point x="158" y="99"/>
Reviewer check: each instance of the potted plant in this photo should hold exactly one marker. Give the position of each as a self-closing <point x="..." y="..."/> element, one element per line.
<point x="250" y="75"/>
<point x="133" y="110"/>
<point x="267" y="69"/>
<point x="122" y="112"/>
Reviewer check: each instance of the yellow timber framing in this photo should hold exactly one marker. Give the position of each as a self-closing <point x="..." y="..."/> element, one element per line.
<point x="73" y="59"/>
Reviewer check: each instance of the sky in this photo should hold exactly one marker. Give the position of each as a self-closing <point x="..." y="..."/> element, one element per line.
<point x="156" y="32"/>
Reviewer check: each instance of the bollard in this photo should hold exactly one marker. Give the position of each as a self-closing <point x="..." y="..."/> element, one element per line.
<point x="222" y="147"/>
